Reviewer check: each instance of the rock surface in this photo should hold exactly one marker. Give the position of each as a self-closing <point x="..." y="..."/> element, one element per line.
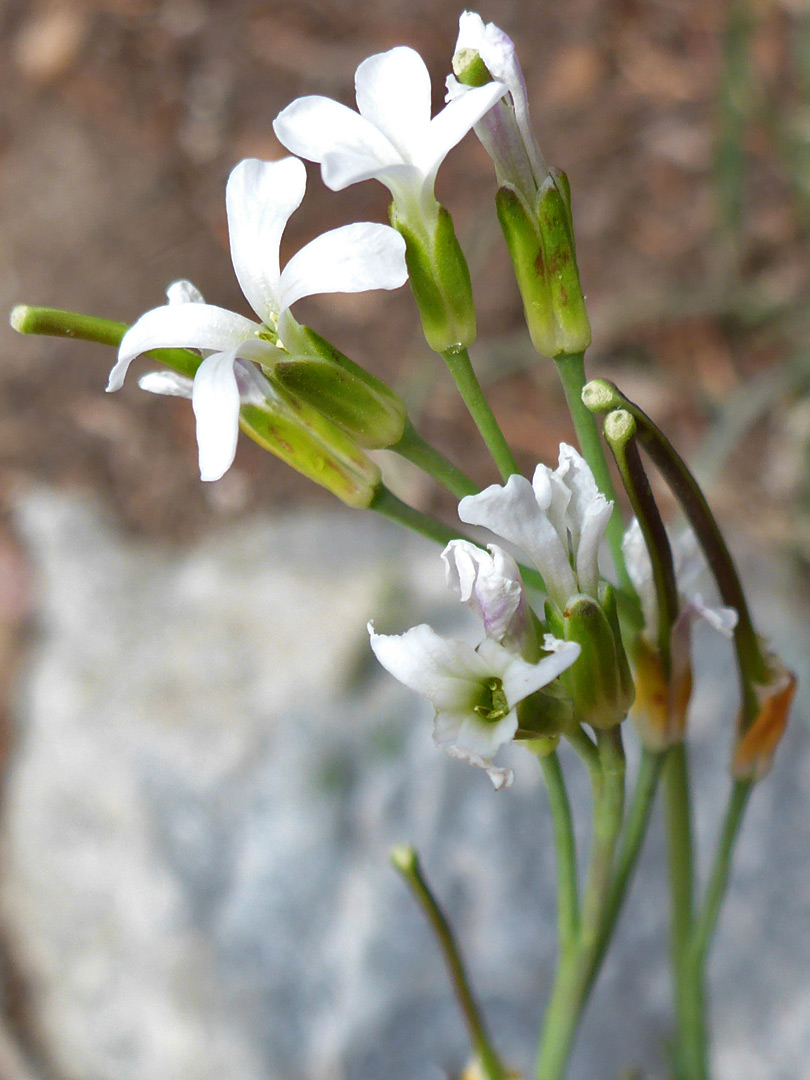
<point x="209" y="773"/>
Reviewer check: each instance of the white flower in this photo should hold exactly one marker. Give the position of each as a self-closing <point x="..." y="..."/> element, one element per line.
<point x="505" y="131"/>
<point x="558" y="520"/>
<point x="475" y="692"/>
<point x="689" y="566"/>
<point x="489" y="582"/>
<point x="260" y="198"/>
<point x="393" y="138"/>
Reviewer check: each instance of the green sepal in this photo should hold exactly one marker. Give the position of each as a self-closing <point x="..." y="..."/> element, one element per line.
<point x="608" y="600"/>
<point x="541" y="246"/>
<point x="598" y="680"/>
<point x="363" y="406"/>
<point x="303" y="438"/>
<point x="440" y="281"/>
<point x="544" y="715"/>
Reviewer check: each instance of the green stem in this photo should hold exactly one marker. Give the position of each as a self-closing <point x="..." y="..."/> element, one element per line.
<point x="419" y="452"/>
<point x="385" y="502"/>
<point x="571" y="370"/>
<point x="566" y="848"/>
<point x="689" y="993"/>
<point x="406" y="861"/>
<point x="460" y="367"/>
<point x="585" y="747"/>
<point x="706" y="922"/>
<point x="70" y="324"/>
<point x="638" y="819"/>
<point x="574" y="974"/>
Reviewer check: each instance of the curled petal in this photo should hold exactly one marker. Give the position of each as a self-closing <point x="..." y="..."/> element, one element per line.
<point x="489" y="582"/>
<point x="511" y="511"/>
<point x="216" y="402"/>
<point x="351" y="259"/>
<point x="721" y="619"/>
<point x="260" y="198"/>
<point x="592" y="529"/>
<point x="393" y="93"/>
<point x="315" y="127"/>
<point x="184" y="326"/>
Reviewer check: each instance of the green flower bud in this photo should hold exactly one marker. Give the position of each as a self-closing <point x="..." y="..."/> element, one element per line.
<point x="470" y="69"/>
<point x="599" y="682"/>
<point x="541" y="246"/>
<point x="305" y="439"/>
<point x="363" y="406"/>
<point x="440" y="281"/>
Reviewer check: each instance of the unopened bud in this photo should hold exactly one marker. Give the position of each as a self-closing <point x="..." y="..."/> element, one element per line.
<point x="541" y="245"/>
<point x="599" y="682"/>
<point x="440" y="280"/>
<point x="363" y="406"/>
<point x="302" y="437"/>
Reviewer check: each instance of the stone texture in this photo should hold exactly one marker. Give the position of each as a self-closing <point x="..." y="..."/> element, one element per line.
<point x="209" y="773"/>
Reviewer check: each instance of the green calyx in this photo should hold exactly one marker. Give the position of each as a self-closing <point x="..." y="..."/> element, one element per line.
<point x="599" y="682"/>
<point x="541" y="245"/>
<point x="493" y="705"/>
<point x="352" y="398"/>
<point x="311" y="444"/>
<point x="439" y="279"/>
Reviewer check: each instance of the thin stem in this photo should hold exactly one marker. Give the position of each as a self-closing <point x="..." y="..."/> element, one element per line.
<point x="460" y="367"/>
<point x="706" y="922"/>
<point x="571" y="370"/>
<point x="70" y="324"/>
<point x="585" y="747"/>
<point x="566" y="848"/>
<point x="406" y="861"/>
<point x="385" y="502"/>
<point x="690" y="1046"/>
<point x="419" y="452"/>
<point x="635" y="830"/>
<point x="574" y="975"/>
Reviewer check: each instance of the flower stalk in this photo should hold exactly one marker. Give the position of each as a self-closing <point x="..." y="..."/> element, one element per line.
<point x="405" y="860"/>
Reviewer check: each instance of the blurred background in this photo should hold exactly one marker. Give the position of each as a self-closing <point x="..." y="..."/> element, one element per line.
<point x="685" y="132"/>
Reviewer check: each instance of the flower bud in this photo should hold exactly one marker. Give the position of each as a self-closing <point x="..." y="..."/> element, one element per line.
<point x="541" y="246"/>
<point x="440" y="280"/>
<point x="302" y="437"/>
<point x="599" y="682"/>
<point x="363" y="406"/>
<point x="756" y="746"/>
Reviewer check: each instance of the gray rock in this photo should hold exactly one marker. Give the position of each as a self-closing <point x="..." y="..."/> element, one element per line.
<point x="209" y="773"/>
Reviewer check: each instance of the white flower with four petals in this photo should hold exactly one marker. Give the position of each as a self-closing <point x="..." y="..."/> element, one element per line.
<point x="392" y="138"/>
<point x="260" y="198"/>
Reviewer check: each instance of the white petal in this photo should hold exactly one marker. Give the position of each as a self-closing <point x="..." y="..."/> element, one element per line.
<point x="216" y="403"/>
<point x="315" y="127"/>
<point x="393" y="93"/>
<point x="501" y="778"/>
<point x="472" y="735"/>
<point x="187" y="326"/>
<point x="168" y="383"/>
<point x="351" y="259"/>
<point x="721" y="619"/>
<point x="511" y="511"/>
<point x="446" y="671"/>
<point x="521" y="679"/>
<point x="489" y="582"/>
<point x="183" y="292"/>
<point x="451" y="125"/>
<point x="260" y="197"/>
<point x="592" y="530"/>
